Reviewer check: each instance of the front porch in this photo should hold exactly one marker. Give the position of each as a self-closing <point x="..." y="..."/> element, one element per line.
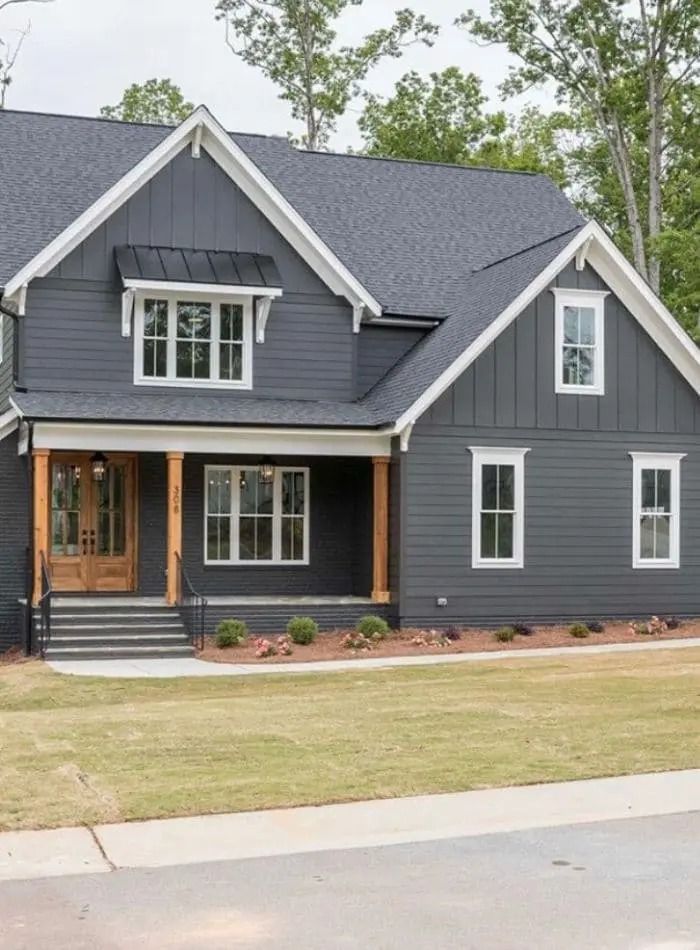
<point x="261" y="539"/>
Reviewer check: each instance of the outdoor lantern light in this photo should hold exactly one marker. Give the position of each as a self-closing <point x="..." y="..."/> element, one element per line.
<point x="97" y="463"/>
<point x="266" y="471"/>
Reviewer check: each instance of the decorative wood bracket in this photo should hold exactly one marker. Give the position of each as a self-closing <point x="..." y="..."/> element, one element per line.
<point x="197" y="141"/>
<point x="127" y="310"/>
<point x="582" y="254"/>
<point x="262" y="313"/>
<point x="22" y="300"/>
<point x="357" y="314"/>
<point x="405" y="436"/>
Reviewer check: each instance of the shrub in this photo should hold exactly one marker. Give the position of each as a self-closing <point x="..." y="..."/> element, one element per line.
<point x="264" y="648"/>
<point x="284" y="646"/>
<point x="452" y="634"/>
<point x="231" y="633"/>
<point x="653" y="627"/>
<point x="672" y="623"/>
<point x="578" y="630"/>
<point x="639" y="626"/>
<point x="522" y="630"/>
<point x="302" y="630"/>
<point x="430" y="638"/>
<point x="372" y="626"/>
<point x="595" y="626"/>
<point x="505" y="634"/>
<point x="356" y="641"/>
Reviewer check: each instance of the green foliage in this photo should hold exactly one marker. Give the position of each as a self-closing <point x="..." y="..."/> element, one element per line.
<point x="295" y="45"/>
<point x="579" y="630"/>
<point x="505" y="634"/>
<point x="157" y="101"/>
<point x="302" y="630"/>
<point x="353" y="640"/>
<point x="372" y="626"/>
<point x="231" y="633"/>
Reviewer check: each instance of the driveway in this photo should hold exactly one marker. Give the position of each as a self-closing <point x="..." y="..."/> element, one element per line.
<point x="619" y="885"/>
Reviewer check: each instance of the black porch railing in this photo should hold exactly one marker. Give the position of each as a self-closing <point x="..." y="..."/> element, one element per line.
<point x="192" y="605"/>
<point x="44" y="606"/>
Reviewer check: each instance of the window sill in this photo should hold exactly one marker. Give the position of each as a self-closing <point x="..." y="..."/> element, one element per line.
<point x="562" y="390"/>
<point x="656" y="565"/>
<point x="496" y="564"/>
<point x="256" y="563"/>
<point x="193" y="384"/>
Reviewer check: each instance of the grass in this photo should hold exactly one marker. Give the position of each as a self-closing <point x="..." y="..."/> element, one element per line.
<point x="77" y="750"/>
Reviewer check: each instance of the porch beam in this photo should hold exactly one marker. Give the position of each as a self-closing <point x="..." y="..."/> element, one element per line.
<point x="40" y="514"/>
<point x="174" y="525"/>
<point x="380" y="546"/>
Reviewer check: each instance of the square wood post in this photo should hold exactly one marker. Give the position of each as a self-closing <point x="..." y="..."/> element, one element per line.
<point x="40" y="515"/>
<point x="174" y="542"/>
<point x="380" y="547"/>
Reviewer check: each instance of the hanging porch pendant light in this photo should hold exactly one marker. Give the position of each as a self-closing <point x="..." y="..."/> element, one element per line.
<point x="266" y="471"/>
<point x="98" y="464"/>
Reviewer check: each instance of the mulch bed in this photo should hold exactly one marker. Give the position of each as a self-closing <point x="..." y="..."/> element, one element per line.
<point x="327" y="646"/>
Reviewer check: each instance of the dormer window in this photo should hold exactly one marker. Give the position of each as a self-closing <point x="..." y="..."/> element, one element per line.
<point x="189" y="340"/>
<point x="579" y="341"/>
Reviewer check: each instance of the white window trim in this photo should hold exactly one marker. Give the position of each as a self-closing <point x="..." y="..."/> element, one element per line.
<point x="657" y="460"/>
<point x="277" y="561"/>
<point x="194" y="294"/>
<point x="595" y="299"/>
<point x="484" y="455"/>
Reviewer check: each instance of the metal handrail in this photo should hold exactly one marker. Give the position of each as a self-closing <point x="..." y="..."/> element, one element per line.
<point x="192" y="605"/>
<point x="44" y="606"/>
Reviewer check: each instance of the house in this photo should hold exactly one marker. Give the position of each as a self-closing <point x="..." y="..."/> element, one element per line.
<point x="291" y="382"/>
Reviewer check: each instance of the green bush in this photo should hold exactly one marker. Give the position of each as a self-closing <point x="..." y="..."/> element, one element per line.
<point x="372" y="626"/>
<point x="578" y="630"/>
<point x="302" y="630"/>
<point x="505" y="634"/>
<point x="231" y="633"/>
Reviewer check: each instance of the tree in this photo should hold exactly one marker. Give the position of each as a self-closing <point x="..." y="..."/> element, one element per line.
<point x="442" y="119"/>
<point x="619" y="66"/>
<point x="157" y="101"/>
<point x="294" y="43"/>
<point x="9" y="52"/>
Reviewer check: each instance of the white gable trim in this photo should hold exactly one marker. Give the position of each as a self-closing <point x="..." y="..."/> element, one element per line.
<point x="201" y="125"/>
<point x="8" y="423"/>
<point x="622" y="279"/>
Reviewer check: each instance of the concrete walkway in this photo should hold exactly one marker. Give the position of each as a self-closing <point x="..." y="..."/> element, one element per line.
<point x="190" y="666"/>
<point x="178" y="841"/>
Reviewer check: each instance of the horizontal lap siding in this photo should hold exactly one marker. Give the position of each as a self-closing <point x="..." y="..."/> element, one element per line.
<point x="273" y="619"/>
<point x="578" y="480"/>
<point x="14" y="537"/>
<point x="7" y="325"/>
<point x="379" y="349"/>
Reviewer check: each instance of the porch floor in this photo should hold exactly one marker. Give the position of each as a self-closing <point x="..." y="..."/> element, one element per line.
<point x="257" y="600"/>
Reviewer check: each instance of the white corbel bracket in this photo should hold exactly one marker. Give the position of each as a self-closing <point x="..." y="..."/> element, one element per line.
<point x="127" y="310"/>
<point x="405" y="436"/>
<point x="197" y="141"/>
<point x="22" y="300"/>
<point x="262" y="313"/>
<point x="582" y="254"/>
<point x="358" y="311"/>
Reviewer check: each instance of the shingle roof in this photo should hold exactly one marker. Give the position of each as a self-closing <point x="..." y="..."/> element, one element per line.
<point x="404" y="229"/>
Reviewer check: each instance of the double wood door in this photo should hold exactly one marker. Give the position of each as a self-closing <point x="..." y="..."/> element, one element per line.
<point x="92" y="524"/>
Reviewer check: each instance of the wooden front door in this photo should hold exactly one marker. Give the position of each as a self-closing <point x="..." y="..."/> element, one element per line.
<point x="92" y="524"/>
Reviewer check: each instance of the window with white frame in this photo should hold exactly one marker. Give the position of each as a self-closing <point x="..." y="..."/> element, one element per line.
<point x="498" y="502"/>
<point x="580" y="341"/>
<point x="185" y="340"/>
<point x="250" y="520"/>
<point x="656" y="504"/>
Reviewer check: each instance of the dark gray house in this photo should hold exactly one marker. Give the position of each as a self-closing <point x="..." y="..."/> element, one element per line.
<point x="292" y="382"/>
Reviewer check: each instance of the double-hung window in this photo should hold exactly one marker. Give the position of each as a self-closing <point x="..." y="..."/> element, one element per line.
<point x="250" y="520"/>
<point x="656" y="504"/>
<point x="188" y="340"/>
<point x="579" y="342"/>
<point x="498" y="502"/>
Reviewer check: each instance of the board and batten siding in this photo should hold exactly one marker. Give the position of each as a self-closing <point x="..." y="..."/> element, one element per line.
<point x="578" y="480"/>
<point x="14" y="538"/>
<point x="73" y="324"/>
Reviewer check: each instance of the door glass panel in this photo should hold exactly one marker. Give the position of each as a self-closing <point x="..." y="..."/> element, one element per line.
<point x="111" y="540"/>
<point x="65" y="509"/>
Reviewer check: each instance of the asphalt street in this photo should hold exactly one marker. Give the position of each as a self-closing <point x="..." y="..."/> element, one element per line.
<point x="632" y="884"/>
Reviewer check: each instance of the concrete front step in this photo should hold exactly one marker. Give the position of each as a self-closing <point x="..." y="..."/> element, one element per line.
<point x="118" y="640"/>
<point x="109" y="628"/>
<point x="118" y="652"/>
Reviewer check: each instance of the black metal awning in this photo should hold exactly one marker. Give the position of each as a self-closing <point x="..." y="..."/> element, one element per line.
<point x="183" y="265"/>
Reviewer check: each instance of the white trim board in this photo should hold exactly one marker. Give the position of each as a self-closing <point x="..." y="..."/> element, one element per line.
<point x="9" y="421"/>
<point x="223" y="440"/>
<point x="243" y="172"/>
<point x="622" y="279"/>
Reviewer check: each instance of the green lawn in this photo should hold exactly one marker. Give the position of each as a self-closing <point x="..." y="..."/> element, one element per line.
<point x="76" y="750"/>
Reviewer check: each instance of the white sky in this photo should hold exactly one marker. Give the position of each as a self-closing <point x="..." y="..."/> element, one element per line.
<point x="81" y="54"/>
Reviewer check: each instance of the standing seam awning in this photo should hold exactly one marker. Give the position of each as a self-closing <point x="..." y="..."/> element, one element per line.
<point x="183" y="265"/>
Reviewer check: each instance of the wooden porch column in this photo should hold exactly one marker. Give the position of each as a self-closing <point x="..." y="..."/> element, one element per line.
<point x="380" y="565"/>
<point x="174" y="543"/>
<point x="40" y="515"/>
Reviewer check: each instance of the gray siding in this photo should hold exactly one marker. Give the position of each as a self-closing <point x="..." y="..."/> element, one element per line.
<point x="578" y="482"/>
<point x="380" y="348"/>
<point x="340" y="532"/>
<point x="73" y="331"/>
<point x="14" y="537"/>
<point x="7" y="330"/>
